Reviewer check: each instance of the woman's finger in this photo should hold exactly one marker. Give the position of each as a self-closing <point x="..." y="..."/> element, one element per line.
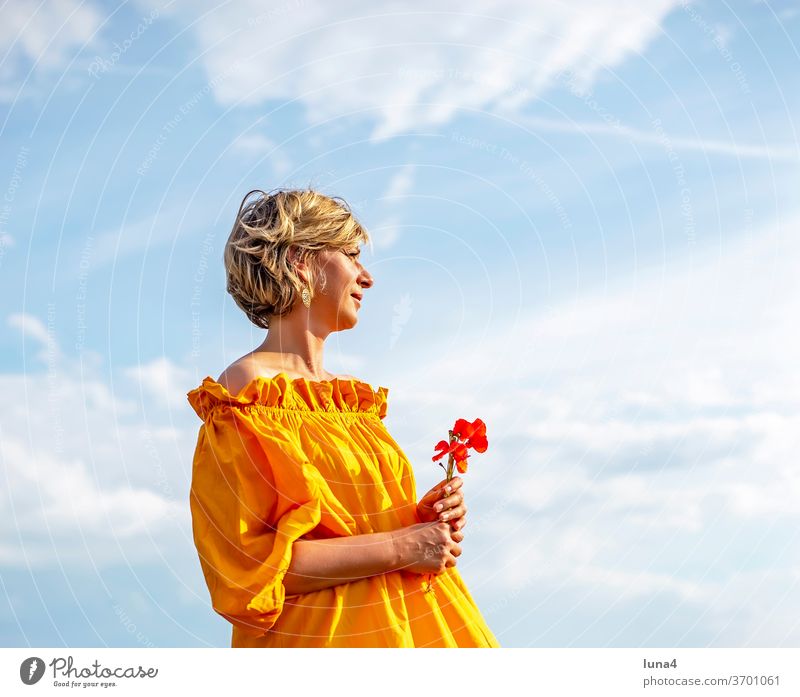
<point x="450" y="502"/>
<point x="458" y="523"/>
<point x="453" y="513"/>
<point x="446" y="488"/>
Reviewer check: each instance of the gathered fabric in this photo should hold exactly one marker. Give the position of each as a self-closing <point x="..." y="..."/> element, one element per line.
<point x="297" y="459"/>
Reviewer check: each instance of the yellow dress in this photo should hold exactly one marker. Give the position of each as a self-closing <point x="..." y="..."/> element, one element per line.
<point x="295" y="458"/>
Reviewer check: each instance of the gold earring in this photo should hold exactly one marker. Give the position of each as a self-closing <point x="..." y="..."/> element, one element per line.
<point x="306" y="296"/>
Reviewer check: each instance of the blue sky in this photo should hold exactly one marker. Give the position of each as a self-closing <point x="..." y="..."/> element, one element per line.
<point x="584" y="221"/>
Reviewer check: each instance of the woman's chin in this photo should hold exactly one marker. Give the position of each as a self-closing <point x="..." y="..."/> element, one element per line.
<point x="346" y="320"/>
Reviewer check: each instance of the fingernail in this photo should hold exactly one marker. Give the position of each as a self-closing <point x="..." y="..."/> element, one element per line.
<point x="438" y="506"/>
<point x="447" y="489"/>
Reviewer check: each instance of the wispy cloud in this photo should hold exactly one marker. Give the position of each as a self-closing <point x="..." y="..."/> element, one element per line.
<point x="29" y="325"/>
<point x="784" y="153"/>
<point x="401" y="183"/>
<point x="257" y="145"/>
<point x="387" y="232"/>
<point x="407" y="70"/>
<point x="41" y="39"/>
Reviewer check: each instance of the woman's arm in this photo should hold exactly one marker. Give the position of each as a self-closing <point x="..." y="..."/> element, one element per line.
<point x="318" y="564"/>
<point x="421" y="548"/>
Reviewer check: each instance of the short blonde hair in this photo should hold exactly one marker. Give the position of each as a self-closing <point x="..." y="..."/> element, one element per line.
<point x="260" y="277"/>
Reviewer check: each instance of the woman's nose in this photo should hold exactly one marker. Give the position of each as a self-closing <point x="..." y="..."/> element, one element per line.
<point x="365" y="279"/>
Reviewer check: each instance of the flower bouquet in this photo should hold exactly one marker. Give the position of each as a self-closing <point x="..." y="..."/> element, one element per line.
<point x="463" y="437"/>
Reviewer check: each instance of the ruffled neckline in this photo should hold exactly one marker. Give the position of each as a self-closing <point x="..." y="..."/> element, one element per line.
<point x="342" y="395"/>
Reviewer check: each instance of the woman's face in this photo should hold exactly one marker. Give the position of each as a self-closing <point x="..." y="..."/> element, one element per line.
<point x="346" y="279"/>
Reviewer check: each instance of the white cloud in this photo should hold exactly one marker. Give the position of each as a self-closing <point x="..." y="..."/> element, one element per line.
<point x="81" y="483"/>
<point x="163" y="380"/>
<point x="258" y="145"/>
<point x="408" y="70"/>
<point x="42" y="39"/>
<point x="30" y="326"/>
<point x="400" y="184"/>
<point x="782" y="153"/>
<point x="56" y="494"/>
<point x="89" y="476"/>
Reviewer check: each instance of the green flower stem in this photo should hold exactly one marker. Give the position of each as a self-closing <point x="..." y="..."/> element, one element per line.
<point x="451" y="460"/>
<point x="451" y="463"/>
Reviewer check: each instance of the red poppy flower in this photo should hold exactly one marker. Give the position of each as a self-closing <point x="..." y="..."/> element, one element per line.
<point x="456" y="449"/>
<point x="459" y="450"/>
<point x="444" y="446"/>
<point x="463" y="437"/>
<point x="473" y="433"/>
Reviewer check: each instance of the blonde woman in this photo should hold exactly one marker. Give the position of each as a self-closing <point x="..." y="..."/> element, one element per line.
<point x="304" y="508"/>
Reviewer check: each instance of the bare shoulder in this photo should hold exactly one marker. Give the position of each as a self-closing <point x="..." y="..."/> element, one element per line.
<point x="239" y="374"/>
<point x="243" y="371"/>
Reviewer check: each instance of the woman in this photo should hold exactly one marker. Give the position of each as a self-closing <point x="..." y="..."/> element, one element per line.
<point x="303" y="506"/>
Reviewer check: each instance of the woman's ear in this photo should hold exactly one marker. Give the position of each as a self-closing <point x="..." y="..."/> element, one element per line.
<point x="300" y="267"/>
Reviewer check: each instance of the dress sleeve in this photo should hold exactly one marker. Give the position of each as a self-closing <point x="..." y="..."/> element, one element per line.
<point x="252" y="496"/>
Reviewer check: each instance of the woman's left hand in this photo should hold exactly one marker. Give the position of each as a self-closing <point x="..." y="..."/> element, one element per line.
<point x="450" y="504"/>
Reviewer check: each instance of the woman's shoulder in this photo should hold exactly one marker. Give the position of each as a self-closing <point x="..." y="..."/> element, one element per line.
<point x="248" y="383"/>
<point x="244" y="370"/>
<point x="238" y="374"/>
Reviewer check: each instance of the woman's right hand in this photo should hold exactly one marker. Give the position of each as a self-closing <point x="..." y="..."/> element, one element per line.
<point x="428" y="548"/>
